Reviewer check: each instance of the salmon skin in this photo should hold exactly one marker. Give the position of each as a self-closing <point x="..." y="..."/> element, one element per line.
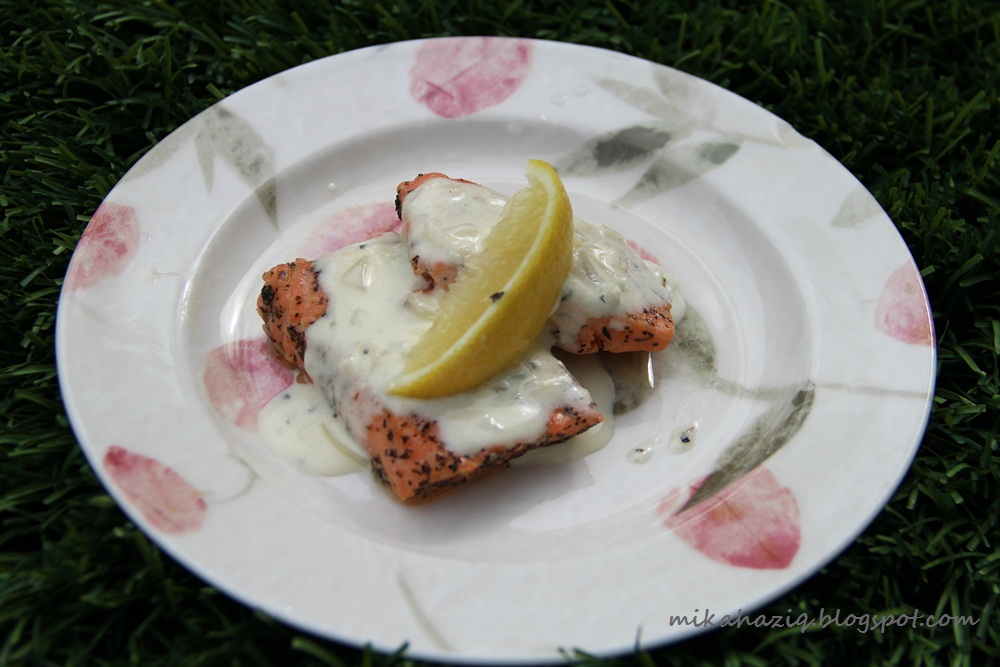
<point x="405" y="448"/>
<point x="577" y="326"/>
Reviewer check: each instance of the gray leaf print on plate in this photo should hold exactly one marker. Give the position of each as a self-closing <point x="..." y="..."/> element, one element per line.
<point x="642" y="99"/>
<point x="228" y="136"/>
<point x="615" y="151"/>
<point x="677" y="165"/>
<point x="673" y="160"/>
<point x="694" y="348"/>
<point x="769" y="433"/>
<point x="693" y="342"/>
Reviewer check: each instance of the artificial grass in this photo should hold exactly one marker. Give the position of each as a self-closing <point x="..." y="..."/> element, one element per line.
<point x="906" y="93"/>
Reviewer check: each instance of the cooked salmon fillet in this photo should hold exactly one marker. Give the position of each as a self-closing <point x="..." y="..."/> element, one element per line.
<point x="648" y="330"/>
<point x="407" y="453"/>
<point x="289" y="302"/>
<point x="578" y="326"/>
<point x="406" y="448"/>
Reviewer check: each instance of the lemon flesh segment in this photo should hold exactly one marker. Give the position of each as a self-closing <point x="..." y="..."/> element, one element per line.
<point x="503" y="296"/>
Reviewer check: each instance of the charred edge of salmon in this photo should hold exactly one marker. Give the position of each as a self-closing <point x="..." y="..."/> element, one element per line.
<point x="407" y="454"/>
<point x="440" y="274"/>
<point x="291" y="300"/>
<point x="406" y="187"/>
<point x="648" y="331"/>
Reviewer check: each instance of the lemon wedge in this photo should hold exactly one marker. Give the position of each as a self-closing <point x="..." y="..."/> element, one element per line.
<point x="502" y="297"/>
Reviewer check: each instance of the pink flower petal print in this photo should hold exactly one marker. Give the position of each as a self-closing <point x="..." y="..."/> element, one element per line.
<point x="162" y="496"/>
<point x="352" y="225"/>
<point x="459" y="76"/>
<point x="241" y="377"/>
<point x="902" y="310"/>
<point x="106" y="246"/>
<point x="753" y="522"/>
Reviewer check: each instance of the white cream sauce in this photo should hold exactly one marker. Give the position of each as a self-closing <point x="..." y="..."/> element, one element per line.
<point x="377" y="311"/>
<point x="680" y="441"/>
<point x="592" y="375"/>
<point x="299" y="425"/>
<point x="446" y="221"/>
<point x="356" y="350"/>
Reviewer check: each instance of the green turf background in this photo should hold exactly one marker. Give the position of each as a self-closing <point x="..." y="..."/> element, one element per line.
<point x="903" y="92"/>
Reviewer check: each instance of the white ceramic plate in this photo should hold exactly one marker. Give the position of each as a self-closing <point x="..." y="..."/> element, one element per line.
<point x="806" y="365"/>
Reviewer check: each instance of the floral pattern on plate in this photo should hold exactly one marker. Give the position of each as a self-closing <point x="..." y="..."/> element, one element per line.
<point x="753" y="523"/>
<point x="456" y="78"/>
<point x="164" y="498"/>
<point x="688" y="167"/>
<point x="241" y="377"/>
<point x="106" y="246"/>
<point x="902" y="308"/>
